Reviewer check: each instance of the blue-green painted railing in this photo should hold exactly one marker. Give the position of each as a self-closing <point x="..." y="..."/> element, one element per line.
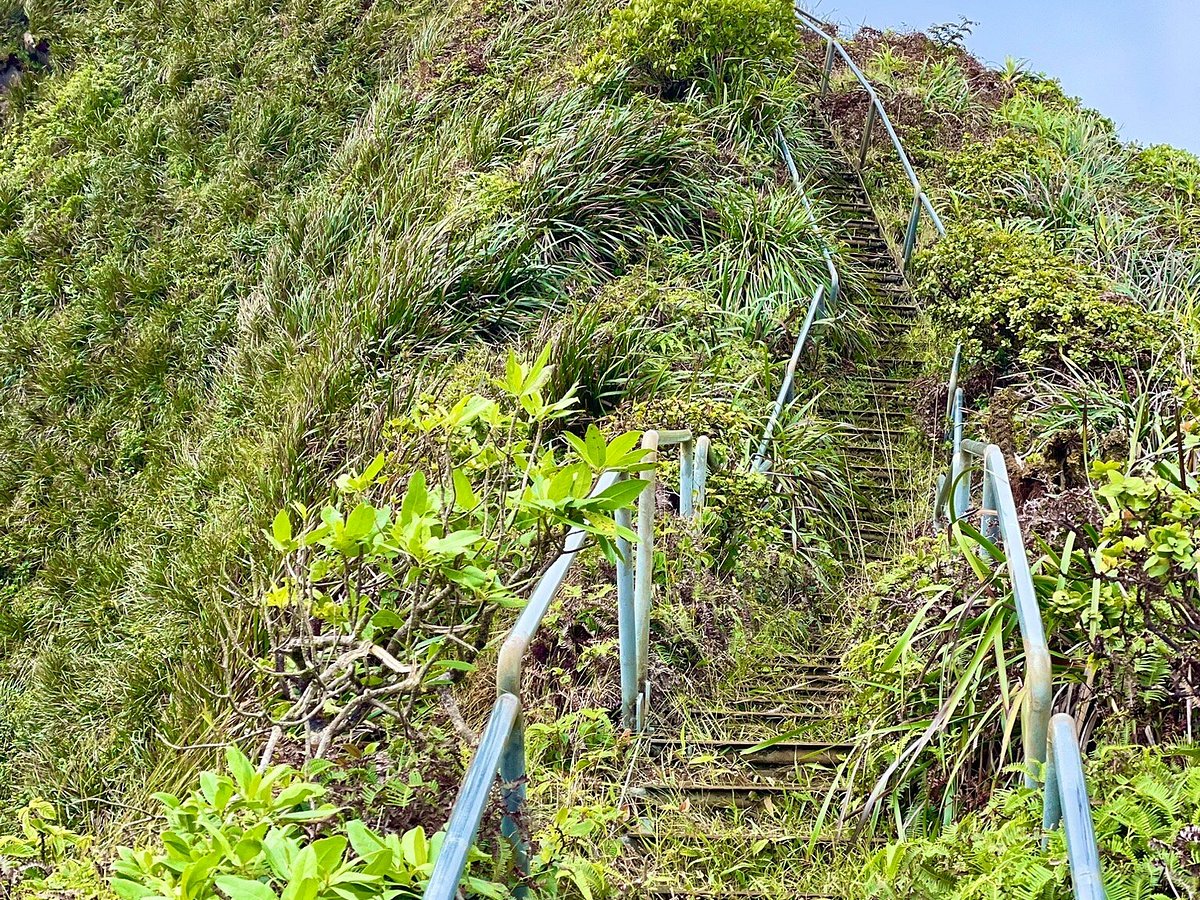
<point x="501" y="750"/>
<point x="816" y="305"/>
<point x="1048" y="740"/>
<point x="875" y="114"/>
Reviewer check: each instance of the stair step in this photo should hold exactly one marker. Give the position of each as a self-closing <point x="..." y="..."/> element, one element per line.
<point x="763" y="716"/>
<point x="730" y="793"/>
<point x="785" y="753"/>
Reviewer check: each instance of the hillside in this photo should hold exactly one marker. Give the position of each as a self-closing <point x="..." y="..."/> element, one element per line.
<point x="325" y="323"/>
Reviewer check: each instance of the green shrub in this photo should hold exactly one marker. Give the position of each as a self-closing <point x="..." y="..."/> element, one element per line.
<point x="982" y="171"/>
<point x="1144" y="807"/>
<point x="674" y="40"/>
<point x="253" y="835"/>
<point x="1014" y="298"/>
<point x="1167" y="171"/>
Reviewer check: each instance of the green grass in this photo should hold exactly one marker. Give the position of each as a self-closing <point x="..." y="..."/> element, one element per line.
<point x="235" y="241"/>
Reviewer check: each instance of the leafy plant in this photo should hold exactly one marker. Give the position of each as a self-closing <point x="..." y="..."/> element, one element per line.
<point x="387" y="602"/>
<point x="1145" y="810"/>
<point x="1015" y="299"/>
<point x="674" y="40"/>
<point x="249" y="835"/>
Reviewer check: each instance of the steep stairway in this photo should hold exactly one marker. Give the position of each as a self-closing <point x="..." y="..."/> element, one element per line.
<point x="718" y="815"/>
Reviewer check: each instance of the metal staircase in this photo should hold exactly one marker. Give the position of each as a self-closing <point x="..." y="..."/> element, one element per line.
<point x="724" y="808"/>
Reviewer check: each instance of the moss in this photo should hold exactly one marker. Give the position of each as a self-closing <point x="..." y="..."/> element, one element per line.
<point x="1015" y="299"/>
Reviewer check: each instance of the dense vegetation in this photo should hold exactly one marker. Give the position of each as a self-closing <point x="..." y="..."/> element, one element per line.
<point x="276" y="401"/>
<point x="323" y="322"/>
<point x="1070" y="273"/>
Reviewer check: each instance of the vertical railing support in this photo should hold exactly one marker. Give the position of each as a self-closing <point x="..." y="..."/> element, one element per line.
<point x="700" y="468"/>
<point x="627" y="623"/>
<point x="687" y="478"/>
<point x="643" y="584"/>
<point x="989" y="518"/>
<point x="1066" y="800"/>
<point x="828" y="70"/>
<point x="512" y="791"/>
<point x="866" y="138"/>
<point x="910" y="233"/>
<point x="960" y="486"/>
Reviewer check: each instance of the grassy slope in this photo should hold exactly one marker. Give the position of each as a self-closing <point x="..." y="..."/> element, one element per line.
<point x="235" y="240"/>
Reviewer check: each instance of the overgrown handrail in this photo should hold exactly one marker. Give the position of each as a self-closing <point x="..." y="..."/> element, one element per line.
<point x="501" y="750"/>
<point x="875" y="111"/>
<point x="999" y="523"/>
<point x="1066" y="801"/>
<point x="1047" y="740"/>
<point x="816" y="305"/>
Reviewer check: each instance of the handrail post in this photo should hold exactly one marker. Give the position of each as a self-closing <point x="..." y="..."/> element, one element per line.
<point x="512" y="792"/>
<point x="828" y="70"/>
<point x="687" y="478"/>
<point x="989" y="519"/>
<point x="1065" y="800"/>
<point x="910" y="234"/>
<point x="643" y="585"/>
<point x="960" y="487"/>
<point x="701" y="472"/>
<point x="626" y="622"/>
<point x="953" y="389"/>
<point x="866" y="138"/>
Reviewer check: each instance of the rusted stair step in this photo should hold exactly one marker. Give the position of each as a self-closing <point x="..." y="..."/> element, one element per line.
<point x="739" y="794"/>
<point x="785" y="753"/>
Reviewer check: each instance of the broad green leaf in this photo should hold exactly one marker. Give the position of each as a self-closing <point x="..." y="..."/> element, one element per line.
<point x="464" y="494"/>
<point x="597" y="449"/>
<point x="244" y="888"/>
<point x="619" y="495"/>
<point x="240" y="767"/>
<point x="329" y="853"/>
<point x="281" y="528"/>
<point x="414" y="846"/>
<point x="416" y="498"/>
<point x="361" y="522"/>
<point x="130" y="890"/>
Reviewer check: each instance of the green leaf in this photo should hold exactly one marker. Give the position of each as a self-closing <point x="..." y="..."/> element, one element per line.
<point x="597" y="450"/>
<point x="131" y="890"/>
<point x="387" y="618"/>
<point x="329" y="853"/>
<point x="281" y="528"/>
<point x="361" y="522"/>
<point x="454" y="543"/>
<point x="240" y="767"/>
<point x="416" y="498"/>
<point x="244" y="889"/>
<point x="414" y="847"/>
<point x="618" y="495"/>
<point x="464" y="493"/>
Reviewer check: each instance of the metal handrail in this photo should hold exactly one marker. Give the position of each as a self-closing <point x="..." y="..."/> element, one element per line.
<point x="761" y="461"/>
<point x="1066" y="801"/>
<point x="875" y="111"/>
<point x="1046" y="740"/>
<point x="501" y="751"/>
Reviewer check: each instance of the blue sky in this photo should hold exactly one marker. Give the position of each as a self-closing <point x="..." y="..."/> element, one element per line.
<point x="1138" y="63"/>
